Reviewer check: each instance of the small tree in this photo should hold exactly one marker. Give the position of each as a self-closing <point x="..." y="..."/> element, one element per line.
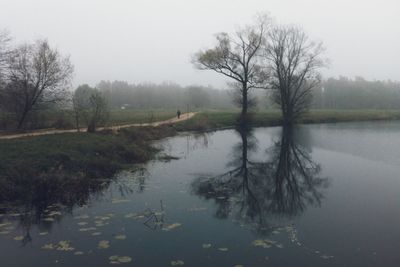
<point x="98" y="111"/>
<point x="91" y="106"/>
<point x="37" y="74"/>
<point x="237" y="57"/>
<point x="81" y="103"/>
<point x="294" y="62"/>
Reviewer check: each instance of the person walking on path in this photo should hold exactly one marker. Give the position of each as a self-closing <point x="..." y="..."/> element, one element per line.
<point x="178" y="113"/>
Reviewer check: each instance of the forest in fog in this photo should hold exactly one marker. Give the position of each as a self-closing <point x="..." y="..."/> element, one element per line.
<point x="332" y="93"/>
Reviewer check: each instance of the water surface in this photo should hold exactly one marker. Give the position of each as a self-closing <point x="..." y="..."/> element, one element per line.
<point x="310" y="196"/>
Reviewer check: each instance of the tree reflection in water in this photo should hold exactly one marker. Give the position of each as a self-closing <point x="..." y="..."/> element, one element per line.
<point x="257" y="192"/>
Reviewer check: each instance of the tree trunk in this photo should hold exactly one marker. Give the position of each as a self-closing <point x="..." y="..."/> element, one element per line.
<point x="22" y="118"/>
<point x="244" y="102"/>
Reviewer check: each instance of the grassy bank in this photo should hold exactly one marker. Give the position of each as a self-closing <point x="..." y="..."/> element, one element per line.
<point x="210" y="120"/>
<point x="58" y="167"/>
<point x="65" y="119"/>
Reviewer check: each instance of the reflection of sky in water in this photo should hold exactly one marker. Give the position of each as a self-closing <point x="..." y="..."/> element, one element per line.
<point x="154" y="216"/>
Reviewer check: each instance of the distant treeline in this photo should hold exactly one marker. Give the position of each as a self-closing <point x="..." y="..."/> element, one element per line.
<point x="333" y="93"/>
<point x="357" y="93"/>
<point x="120" y="94"/>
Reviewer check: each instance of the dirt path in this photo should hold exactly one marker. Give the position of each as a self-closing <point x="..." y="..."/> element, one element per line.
<point x="183" y="117"/>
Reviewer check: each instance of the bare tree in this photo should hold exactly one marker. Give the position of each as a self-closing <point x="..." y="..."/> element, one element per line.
<point x="81" y="103"/>
<point x="98" y="111"/>
<point x="90" y="106"/>
<point x="294" y="61"/>
<point x="37" y="74"/>
<point x="236" y="56"/>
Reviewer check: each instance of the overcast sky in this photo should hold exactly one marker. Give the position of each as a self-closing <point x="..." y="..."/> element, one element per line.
<point x="153" y="40"/>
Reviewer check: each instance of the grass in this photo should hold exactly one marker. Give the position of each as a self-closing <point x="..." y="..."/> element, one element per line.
<point x="119" y="117"/>
<point x="65" y="119"/>
<point x="58" y="166"/>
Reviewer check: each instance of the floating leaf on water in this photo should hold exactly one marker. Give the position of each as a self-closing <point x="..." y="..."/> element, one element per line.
<point x="100" y="224"/>
<point x="275" y="232"/>
<point x="171" y="226"/>
<point x="48" y="246"/>
<point x="266" y="243"/>
<point x="116" y="201"/>
<point x="4" y="224"/>
<point x="4" y="232"/>
<point x="103" y="244"/>
<point x="326" y="257"/>
<point x="18" y="238"/>
<point x="82" y="223"/>
<point x="115" y="259"/>
<point x="102" y="218"/>
<point x="87" y="229"/>
<point x="130" y="215"/>
<point x="120" y="237"/>
<point x="48" y="219"/>
<point x="177" y="263"/>
<point x="124" y="259"/>
<point x="223" y="249"/>
<point x="43" y="233"/>
<point x="78" y="253"/>
<point x="54" y="213"/>
<point x="96" y="233"/>
<point x="64" y="246"/>
<point x="84" y="216"/>
<point x="260" y="243"/>
<point x="206" y="245"/>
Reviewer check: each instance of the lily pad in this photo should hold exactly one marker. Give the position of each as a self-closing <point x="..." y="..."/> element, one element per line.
<point x="18" y="238"/>
<point x="116" y="259"/>
<point x="171" y="226"/>
<point x="177" y="263"/>
<point x="206" y="245"/>
<point x="120" y="237"/>
<point x="103" y="244"/>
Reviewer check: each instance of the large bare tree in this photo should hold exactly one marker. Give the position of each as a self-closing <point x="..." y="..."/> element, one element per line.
<point x="36" y="74"/>
<point x="294" y="62"/>
<point x="236" y="56"/>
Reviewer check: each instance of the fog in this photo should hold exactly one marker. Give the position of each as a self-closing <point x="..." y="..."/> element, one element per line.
<point x="141" y="40"/>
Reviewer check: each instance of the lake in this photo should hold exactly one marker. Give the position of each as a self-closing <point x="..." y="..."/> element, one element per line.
<point x="315" y="195"/>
